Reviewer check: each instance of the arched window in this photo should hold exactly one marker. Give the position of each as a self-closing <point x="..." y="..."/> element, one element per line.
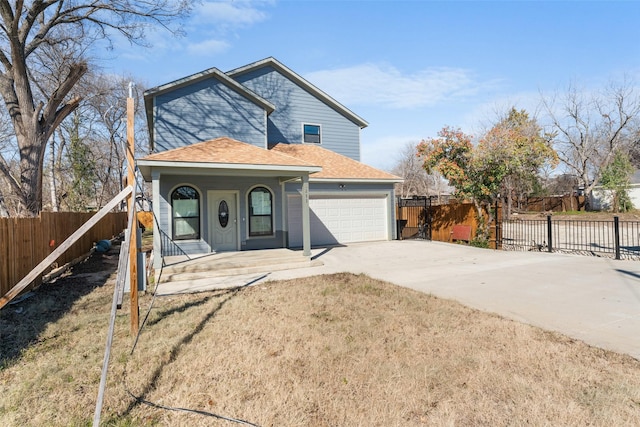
<point x="185" y="204"/>
<point x="260" y="212"/>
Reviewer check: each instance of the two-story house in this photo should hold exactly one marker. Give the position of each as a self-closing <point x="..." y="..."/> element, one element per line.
<point x="259" y="158"/>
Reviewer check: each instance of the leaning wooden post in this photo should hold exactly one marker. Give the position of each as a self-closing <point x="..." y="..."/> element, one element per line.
<point x="133" y="234"/>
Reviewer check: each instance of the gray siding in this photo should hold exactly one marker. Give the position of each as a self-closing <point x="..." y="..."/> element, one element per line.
<point x="295" y="106"/>
<point x="205" y="183"/>
<point x="205" y="110"/>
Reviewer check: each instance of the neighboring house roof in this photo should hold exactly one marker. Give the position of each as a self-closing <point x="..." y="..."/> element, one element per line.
<point x="334" y="166"/>
<point x="635" y="178"/>
<point x="296" y="78"/>
<point x="225" y="153"/>
<point x="214" y="73"/>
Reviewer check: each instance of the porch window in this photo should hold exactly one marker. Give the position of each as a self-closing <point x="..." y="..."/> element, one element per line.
<point x="311" y="133"/>
<point x="185" y="204"/>
<point x="260" y="212"/>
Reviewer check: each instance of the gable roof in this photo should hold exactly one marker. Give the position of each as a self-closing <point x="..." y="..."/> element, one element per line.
<point x="225" y="153"/>
<point x="296" y="78"/>
<point x="231" y="154"/>
<point x="334" y="166"/>
<point x="211" y="73"/>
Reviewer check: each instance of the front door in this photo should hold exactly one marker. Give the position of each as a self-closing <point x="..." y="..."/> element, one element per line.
<point x="223" y="220"/>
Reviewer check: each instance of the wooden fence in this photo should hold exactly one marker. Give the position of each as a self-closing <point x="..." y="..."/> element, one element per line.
<point x="25" y="242"/>
<point x="555" y="204"/>
<point x="442" y="219"/>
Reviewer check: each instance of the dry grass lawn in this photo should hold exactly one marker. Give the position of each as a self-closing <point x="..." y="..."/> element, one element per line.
<point x="338" y="350"/>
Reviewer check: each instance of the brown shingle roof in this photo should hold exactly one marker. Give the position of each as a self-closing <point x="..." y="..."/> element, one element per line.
<point x="334" y="165"/>
<point x="226" y="151"/>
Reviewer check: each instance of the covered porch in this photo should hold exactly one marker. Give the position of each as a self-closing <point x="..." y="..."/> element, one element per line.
<point x="223" y="196"/>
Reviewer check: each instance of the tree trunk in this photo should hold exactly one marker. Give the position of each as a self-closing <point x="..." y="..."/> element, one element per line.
<point x="31" y="163"/>
<point x="483" y="223"/>
<point x="52" y="178"/>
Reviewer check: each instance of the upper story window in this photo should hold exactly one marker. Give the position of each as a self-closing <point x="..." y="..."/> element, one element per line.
<point x="311" y="133"/>
<point x="260" y="212"/>
<point x="185" y="208"/>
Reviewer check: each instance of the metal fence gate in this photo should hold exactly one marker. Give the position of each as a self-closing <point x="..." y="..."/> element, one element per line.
<point x="413" y="219"/>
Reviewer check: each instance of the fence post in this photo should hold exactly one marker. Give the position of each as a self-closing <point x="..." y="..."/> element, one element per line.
<point x="497" y="219"/>
<point x="616" y="235"/>
<point x="398" y="215"/>
<point x="549" y="234"/>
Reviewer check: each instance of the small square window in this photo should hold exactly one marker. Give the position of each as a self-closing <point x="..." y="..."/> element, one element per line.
<point x="312" y="134"/>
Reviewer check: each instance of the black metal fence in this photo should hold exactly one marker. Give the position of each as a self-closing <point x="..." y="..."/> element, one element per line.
<point x="616" y="239"/>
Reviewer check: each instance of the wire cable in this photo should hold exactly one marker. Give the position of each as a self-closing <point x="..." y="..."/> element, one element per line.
<point x="140" y="400"/>
<point x="193" y="411"/>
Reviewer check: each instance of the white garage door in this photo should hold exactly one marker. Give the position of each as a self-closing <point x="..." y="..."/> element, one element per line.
<point x="339" y="219"/>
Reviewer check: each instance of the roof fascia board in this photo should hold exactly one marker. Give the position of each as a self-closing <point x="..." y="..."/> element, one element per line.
<point x="355" y="180"/>
<point x="151" y="94"/>
<point x="229" y="166"/>
<point x="218" y="75"/>
<point x="300" y="81"/>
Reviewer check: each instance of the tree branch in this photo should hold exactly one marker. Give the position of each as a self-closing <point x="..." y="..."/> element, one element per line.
<point x="50" y="114"/>
<point x="6" y="172"/>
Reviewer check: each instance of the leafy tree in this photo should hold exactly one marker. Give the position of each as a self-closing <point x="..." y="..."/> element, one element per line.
<point x="475" y="173"/>
<point x="590" y="128"/>
<point x="615" y="178"/>
<point x="44" y="49"/>
<point x="519" y="142"/>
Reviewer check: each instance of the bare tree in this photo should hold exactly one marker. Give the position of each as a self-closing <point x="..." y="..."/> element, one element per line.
<point x="87" y="152"/>
<point x="47" y="42"/>
<point x="590" y="128"/>
<point x="634" y="155"/>
<point x="416" y="180"/>
<point x="108" y="137"/>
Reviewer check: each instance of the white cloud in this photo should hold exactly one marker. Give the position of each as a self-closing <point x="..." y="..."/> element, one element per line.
<point x="482" y="116"/>
<point x="208" y="47"/>
<point x="375" y="84"/>
<point x="235" y="13"/>
<point x="216" y="23"/>
<point x="384" y="152"/>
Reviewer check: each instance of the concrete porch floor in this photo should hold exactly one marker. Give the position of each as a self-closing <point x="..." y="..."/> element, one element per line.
<point x="204" y="272"/>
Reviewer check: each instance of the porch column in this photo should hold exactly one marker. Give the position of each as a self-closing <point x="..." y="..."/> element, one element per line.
<point x="306" y="228"/>
<point x="157" y="240"/>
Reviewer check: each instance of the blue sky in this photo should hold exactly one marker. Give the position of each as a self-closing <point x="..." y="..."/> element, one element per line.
<point x="407" y="67"/>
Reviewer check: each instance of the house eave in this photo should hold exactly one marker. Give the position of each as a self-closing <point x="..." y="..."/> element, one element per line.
<point x="151" y="94"/>
<point x="356" y="180"/>
<point x="228" y="169"/>
<point x="300" y="81"/>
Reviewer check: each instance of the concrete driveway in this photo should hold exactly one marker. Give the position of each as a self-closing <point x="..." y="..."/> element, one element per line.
<point x="595" y="300"/>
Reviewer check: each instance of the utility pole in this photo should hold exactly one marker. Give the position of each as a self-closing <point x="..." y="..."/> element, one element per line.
<point x="133" y="235"/>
